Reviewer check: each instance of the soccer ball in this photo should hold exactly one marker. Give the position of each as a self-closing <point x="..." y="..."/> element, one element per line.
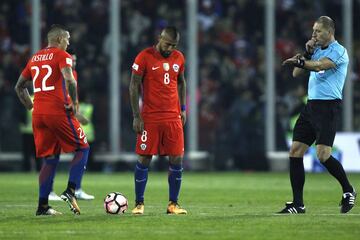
<point x="115" y="203"/>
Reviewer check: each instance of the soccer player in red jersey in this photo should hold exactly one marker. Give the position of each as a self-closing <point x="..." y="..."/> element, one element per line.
<point x="55" y="105"/>
<point x="79" y="193"/>
<point x="159" y="72"/>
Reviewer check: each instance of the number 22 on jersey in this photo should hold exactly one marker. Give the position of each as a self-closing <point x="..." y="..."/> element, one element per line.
<point x="44" y="79"/>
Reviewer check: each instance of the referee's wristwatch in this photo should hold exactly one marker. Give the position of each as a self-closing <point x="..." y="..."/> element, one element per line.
<point x="299" y="63"/>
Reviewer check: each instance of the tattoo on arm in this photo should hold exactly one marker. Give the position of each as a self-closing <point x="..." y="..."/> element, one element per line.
<point x="70" y="83"/>
<point x="23" y="93"/>
<point x="134" y="90"/>
<point x="72" y="91"/>
<point x="182" y="89"/>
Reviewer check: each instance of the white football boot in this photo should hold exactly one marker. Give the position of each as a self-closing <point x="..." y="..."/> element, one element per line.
<point x="82" y="195"/>
<point x="54" y="197"/>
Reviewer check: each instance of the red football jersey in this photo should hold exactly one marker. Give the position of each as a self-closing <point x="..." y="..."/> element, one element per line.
<point x="160" y="93"/>
<point x="44" y="68"/>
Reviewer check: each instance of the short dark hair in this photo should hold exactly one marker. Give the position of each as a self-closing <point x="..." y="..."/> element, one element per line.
<point x="56" y="30"/>
<point x="57" y="27"/>
<point x="327" y="23"/>
<point x="172" y="32"/>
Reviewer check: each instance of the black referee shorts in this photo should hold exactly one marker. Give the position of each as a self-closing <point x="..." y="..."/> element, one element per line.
<point x="318" y="122"/>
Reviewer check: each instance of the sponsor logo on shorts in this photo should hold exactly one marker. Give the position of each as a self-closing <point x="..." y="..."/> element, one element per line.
<point x="143" y="146"/>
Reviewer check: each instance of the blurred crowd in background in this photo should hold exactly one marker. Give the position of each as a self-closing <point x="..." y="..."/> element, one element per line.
<point x="231" y="65"/>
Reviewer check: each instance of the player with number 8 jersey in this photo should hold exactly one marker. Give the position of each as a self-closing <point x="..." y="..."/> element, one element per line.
<point x="160" y="100"/>
<point x="159" y="72"/>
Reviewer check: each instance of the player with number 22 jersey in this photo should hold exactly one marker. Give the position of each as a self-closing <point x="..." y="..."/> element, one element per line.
<point x="54" y="121"/>
<point x="50" y="96"/>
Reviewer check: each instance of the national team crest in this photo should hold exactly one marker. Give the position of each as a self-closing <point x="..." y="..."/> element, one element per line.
<point x="135" y="67"/>
<point x="176" y="67"/>
<point x="166" y="66"/>
<point x="143" y="146"/>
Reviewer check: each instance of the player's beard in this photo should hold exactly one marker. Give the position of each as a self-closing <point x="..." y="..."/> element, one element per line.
<point x="165" y="54"/>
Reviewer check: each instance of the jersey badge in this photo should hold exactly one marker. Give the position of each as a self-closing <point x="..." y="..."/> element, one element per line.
<point x="135" y="67"/>
<point x="176" y="67"/>
<point x="166" y="66"/>
<point x="69" y="61"/>
<point x="143" y="146"/>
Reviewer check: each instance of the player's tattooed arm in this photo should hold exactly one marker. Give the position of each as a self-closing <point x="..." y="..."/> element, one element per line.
<point x="134" y="90"/>
<point x="71" y="87"/>
<point x="182" y="95"/>
<point x="23" y="93"/>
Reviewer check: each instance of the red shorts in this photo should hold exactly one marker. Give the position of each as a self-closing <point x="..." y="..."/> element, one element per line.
<point x="163" y="138"/>
<point x="54" y="134"/>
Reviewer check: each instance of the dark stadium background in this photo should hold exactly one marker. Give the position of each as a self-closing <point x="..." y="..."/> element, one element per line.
<point x="231" y="71"/>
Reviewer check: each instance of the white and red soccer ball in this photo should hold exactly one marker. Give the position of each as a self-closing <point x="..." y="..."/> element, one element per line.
<point x="115" y="203"/>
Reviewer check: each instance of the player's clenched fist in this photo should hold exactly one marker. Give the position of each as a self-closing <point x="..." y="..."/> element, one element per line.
<point x="72" y="107"/>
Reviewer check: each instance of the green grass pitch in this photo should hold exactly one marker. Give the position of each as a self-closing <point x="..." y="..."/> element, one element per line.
<point x="233" y="205"/>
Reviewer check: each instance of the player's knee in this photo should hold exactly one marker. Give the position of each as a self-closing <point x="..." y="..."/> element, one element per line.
<point x="323" y="153"/>
<point x="297" y="151"/>
<point x="323" y="156"/>
<point x="176" y="160"/>
<point x="51" y="160"/>
<point x="145" y="159"/>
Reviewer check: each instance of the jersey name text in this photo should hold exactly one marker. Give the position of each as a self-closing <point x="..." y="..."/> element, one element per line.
<point x="42" y="57"/>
